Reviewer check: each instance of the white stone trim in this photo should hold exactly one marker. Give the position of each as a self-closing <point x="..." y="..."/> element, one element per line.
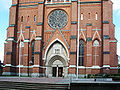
<point x="21" y="35"/>
<point x="113" y="67"/>
<point x="81" y="67"/>
<point x="113" y="41"/>
<point x="33" y="34"/>
<point x="35" y="65"/>
<point x="96" y="32"/>
<point x="8" y="65"/>
<point x="81" y="33"/>
<point x="19" y="66"/>
<point x="20" y="32"/>
<point x="26" y="41"/>
<point x="96" y="67"/>
<point x="10" y="39"/>
<point x="71" y="75"/>
<point x="106" y="66"/>
<point x="72" y="66"/>
<point x="5" y="42"/>
<point x="8" y="73"/>
<point x="52" y="43"/>
<point x="97" y="29"/>
<point x="22" y="66"/>
<point x="38" y="38"/>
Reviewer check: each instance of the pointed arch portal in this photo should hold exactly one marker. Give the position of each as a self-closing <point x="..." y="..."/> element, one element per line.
<point x="56" y="60"/>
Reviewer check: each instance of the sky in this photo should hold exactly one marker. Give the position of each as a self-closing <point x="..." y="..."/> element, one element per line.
<point x="4" y="23"/>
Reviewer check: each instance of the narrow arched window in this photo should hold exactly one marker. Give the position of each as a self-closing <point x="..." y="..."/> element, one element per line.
<point x="96" y="16"/>
<point x="22" y="19"/>
<point x="33" y="48"/>
<point x="28" y="19"/>
<point x="81" y="16"/>
<point x="88" y="15"/>
<point x="95" y="52"/>
<point x="34" y="18"/>
<point x="81" y="53"/>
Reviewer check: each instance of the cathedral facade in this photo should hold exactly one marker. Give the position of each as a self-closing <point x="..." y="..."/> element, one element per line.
<point x="56" y="38"/>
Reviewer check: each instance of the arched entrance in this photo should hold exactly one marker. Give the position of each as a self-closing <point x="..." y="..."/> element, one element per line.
<point x="57" y="67"/>
<point x="56" y="61"/>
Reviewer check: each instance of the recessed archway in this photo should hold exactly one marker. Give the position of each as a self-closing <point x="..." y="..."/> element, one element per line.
<point x="56" y="60"/>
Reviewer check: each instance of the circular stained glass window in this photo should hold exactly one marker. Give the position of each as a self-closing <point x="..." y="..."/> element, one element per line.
<point x="57" y="19"/>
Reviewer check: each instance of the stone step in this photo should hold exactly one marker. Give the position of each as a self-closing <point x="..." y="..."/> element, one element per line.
<point x="32" y="86"/>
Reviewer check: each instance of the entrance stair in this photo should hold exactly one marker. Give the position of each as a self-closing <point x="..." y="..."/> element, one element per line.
<point x="4" y="85"/>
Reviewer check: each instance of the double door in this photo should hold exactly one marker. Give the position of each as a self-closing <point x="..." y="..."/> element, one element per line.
<point x="57" y="71"/>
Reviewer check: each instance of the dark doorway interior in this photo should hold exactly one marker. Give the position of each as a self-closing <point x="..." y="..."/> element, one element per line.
<point x="54" y="71"/>
<point x="60" y="71"/>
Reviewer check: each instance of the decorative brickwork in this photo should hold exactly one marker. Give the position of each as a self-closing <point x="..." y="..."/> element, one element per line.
<point x="42" y="38"/>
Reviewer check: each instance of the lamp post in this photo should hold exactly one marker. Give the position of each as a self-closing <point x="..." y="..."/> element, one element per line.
<point x="19" y="55"/>
<point x="78" y="37"/>
<point x="20" y="45"/>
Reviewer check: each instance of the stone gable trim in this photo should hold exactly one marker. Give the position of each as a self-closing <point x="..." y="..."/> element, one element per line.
<point x="89" y="39"/>
<point x="90" y="2"/>
<point x="64" y="38"/>
<point x="49" y="30"/>
<point x="39" y="23"/>
<point x="49" y="40"/>
<point x="106" y="52"/>
<point x="73" y="37"/>
<point x="12" y="25"/>
<point x="106" y="37"/>
<point x="105" y="22"/>
<point x="65" y="30"/>
<point x="73" y="22"/>
<point x="52" y="36"/>
<point x="72" y="52"/>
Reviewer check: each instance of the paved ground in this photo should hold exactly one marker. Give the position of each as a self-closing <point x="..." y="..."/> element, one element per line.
<point x="56" y="80"/>
<point x="36" y="80"/>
